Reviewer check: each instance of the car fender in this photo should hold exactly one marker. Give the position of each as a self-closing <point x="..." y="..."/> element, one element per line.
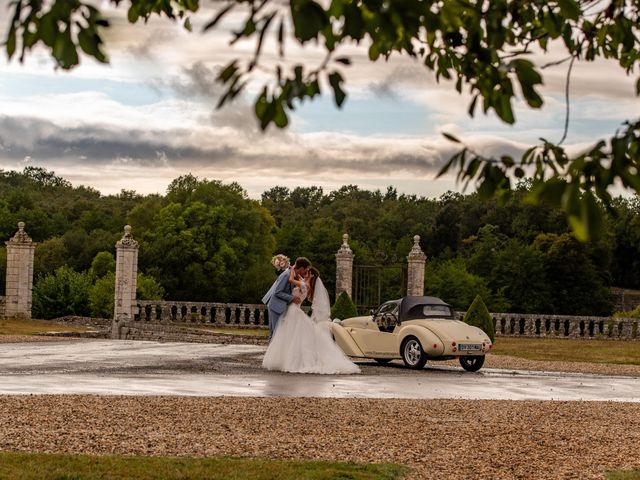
<point x="345" y="341"/>
<point x="427" y="338"/>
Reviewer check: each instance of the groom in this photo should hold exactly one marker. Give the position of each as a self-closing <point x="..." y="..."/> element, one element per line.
<point x="279" y="295"/>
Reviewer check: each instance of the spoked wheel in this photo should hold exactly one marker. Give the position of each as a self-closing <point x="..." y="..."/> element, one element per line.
<point x="413" y="353"/>
<point x="472" y="363"/>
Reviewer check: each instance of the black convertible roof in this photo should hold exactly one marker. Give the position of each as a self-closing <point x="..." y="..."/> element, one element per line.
<point x="407" y="303"/>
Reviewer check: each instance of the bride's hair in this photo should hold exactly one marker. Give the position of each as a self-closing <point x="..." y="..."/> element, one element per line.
<point x="312" y="282"/>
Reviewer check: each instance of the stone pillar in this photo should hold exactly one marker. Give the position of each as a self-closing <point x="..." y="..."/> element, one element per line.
<point x="19" y="283"/>
<point x="415" y="274"/>
<point x="344" y="268"/>
<point x="126" y="279"/>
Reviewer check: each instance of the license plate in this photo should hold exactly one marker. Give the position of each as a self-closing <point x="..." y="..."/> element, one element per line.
<point x="469" y="347"/>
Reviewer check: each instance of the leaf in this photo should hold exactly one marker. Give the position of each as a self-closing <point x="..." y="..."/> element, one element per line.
<point x="187" y="25"/>
<point x="343" y="60"/>
<point x="308" y="19"/>
<point x="450" y="137"/>
<point x="132" y="14"/>
<point x="11" y="42"/>
<point x="638" y="86"/>
<point x="335" y="79"/>
<point x="570" y="9"/>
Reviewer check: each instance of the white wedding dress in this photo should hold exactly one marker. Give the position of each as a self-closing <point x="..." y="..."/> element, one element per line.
<point x="303" y="344"/>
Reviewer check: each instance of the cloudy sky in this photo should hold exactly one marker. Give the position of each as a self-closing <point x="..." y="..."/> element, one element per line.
<point x="149" y="116"/>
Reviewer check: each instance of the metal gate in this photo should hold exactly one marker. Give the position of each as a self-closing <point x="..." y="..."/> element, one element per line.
<point x="374" y="284"/>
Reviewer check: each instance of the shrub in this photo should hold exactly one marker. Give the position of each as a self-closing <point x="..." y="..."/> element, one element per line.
<point x="102" y="264"/>
<point x="344" y="307"/>
<point x="101" y="295"/>
<point x="478" y="315"/>
<point x="65" y="292"/>
<point x="635" y="313"/>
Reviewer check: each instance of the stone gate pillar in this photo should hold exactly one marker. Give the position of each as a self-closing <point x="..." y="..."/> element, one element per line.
<point x="415" y="274"/>
<point x="344" y="268"/>
<point x="19" y="280"/>
<point x="126" y="279"/>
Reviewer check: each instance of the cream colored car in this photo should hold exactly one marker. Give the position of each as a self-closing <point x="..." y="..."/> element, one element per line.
<point x="415" y="329"/>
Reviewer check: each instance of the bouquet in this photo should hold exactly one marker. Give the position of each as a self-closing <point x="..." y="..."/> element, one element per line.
<point x="280" y="262"/>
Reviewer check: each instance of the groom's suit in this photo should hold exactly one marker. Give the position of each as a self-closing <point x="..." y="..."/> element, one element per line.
<point x="277" y="299"/>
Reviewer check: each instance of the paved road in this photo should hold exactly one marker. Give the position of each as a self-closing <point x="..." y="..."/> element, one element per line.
<point x="107" y="367"/>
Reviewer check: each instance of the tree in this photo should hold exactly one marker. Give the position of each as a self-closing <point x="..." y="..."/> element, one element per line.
<point x="64" y="292"/>
<point x="485" y="47"/>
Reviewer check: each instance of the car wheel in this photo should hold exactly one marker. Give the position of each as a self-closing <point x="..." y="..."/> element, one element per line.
<point x="413" y="354"/>
<point x="472" y="363"/>
<point x="382" y="360"/>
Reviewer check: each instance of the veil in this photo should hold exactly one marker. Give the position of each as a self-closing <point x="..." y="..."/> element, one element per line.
<point x="321" y="306"/>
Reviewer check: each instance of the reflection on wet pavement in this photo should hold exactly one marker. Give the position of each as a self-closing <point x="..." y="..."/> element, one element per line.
<point x="108" y="367"/>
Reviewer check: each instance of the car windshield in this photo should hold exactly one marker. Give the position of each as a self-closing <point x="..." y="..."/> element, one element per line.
<point x="430" y="311"/>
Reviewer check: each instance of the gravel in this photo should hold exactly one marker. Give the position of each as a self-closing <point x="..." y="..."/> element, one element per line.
<point x="440" y="439"/>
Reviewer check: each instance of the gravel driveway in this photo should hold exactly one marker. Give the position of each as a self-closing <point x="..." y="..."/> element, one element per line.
<point x="437" y="439"/>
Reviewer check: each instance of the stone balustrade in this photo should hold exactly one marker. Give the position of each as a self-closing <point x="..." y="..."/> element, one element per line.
<point x="239" y="315"/>
<point x="243" y="315"/>
<point x="564" y="326"/>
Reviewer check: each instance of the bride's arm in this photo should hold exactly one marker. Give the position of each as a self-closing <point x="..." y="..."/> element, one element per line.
<point x="292" y="279"/>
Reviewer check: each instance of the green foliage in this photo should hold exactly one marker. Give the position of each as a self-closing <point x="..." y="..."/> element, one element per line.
<point x="482" y="48"/>
<point x="101" y="296"/>
<point x="102" y="293"/>
<point x="65" y="292"/>
<point x="478" y="315"/>
<point x="103" y="263"/>
<point x="344" y="307"/>
<point x="451" y="281"/>
<point x="635" y="313"/>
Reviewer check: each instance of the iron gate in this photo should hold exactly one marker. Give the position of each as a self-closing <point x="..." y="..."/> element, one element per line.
<point x="374" y="284"/>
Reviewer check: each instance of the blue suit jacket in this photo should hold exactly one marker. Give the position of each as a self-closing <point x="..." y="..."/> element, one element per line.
<point x="279" y="295"/>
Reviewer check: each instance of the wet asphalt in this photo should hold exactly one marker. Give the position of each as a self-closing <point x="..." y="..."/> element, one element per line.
<point x="118" y="367"/>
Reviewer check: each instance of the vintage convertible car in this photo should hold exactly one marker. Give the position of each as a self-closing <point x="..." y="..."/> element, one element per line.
<point x="415" y="329"/>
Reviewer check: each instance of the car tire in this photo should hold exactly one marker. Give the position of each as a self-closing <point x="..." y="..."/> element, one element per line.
<point x="472" y="363"/>
<point x="412" y="353"/>
<point x="382" y="360"/>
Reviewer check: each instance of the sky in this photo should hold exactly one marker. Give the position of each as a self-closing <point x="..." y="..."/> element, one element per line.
<point x="150" y="116"/>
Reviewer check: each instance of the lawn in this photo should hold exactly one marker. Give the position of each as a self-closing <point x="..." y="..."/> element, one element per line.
<point x="569" y="350"/>
<point x="26" y="466"/>
<point x="254" y="332"/>
<point x="33" y="327"/>
<point x="629" y="475"/>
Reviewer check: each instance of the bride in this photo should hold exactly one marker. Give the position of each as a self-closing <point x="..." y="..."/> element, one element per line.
<point x="303" y="344"/>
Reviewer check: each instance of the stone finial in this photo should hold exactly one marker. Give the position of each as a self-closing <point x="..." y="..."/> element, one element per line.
<point x="416" y="252"/>
<point x="21" y="236"/>
<point x="344" y="248"/>
<point x="127" y="239"/>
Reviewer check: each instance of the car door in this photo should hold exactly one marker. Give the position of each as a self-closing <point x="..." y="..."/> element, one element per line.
<point x="372" y="340"/>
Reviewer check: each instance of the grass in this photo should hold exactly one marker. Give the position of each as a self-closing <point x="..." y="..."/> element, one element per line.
<point x="33" y="327"/>
<point x="570" y="350"/>
<point x="26" y="466"/>
<point x="620" y="475"/>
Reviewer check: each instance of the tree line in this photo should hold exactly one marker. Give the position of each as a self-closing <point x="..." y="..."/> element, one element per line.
<point x="205" y="240"/>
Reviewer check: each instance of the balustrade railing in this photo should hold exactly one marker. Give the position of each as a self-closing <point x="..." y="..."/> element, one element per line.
<point x="532" y="325"/>
<point x="244" y="315"/>
<point x="240" y="315"/>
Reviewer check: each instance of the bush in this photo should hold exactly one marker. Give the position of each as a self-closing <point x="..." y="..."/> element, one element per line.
<point x="635" y="313"/>
<point x="101" y="295"/>
<point x="478" y="315"/>
<point x="344" y="307"/>
<point x="102" y="264"/>
<point x="65" y="292"/>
